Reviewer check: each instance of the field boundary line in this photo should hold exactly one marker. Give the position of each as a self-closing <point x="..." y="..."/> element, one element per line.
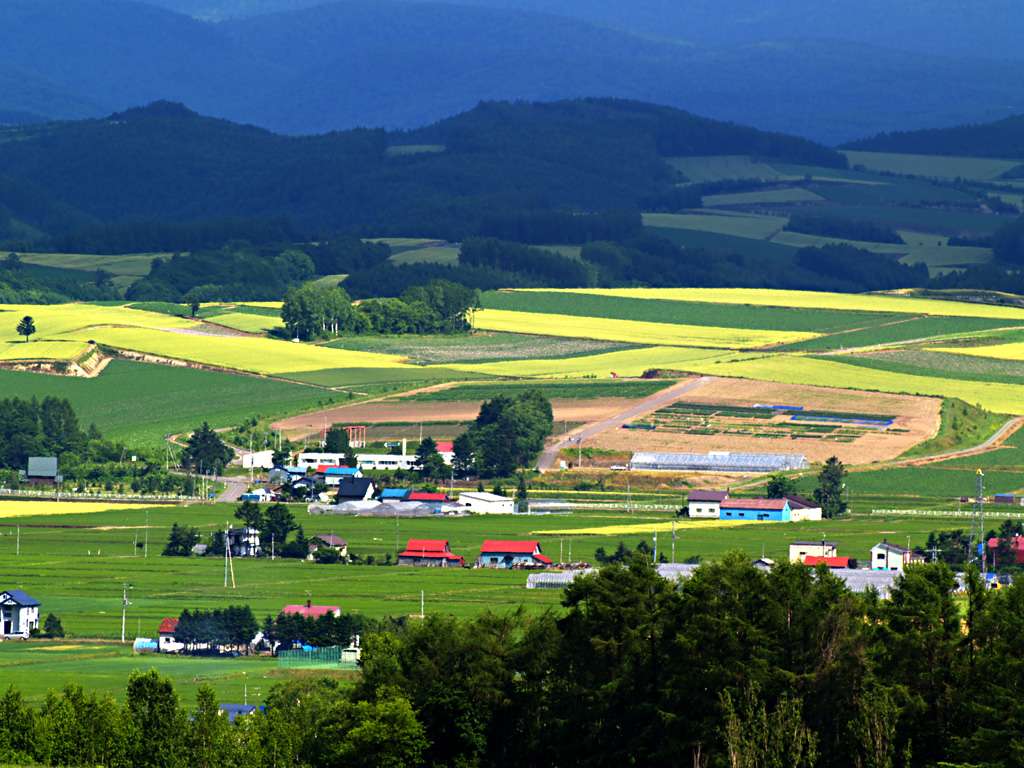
<point x="957" y="513"/>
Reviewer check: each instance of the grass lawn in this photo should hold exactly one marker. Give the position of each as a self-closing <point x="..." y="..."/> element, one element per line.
<point x="923" y="362"/>
<point x="962" y="426"/>
<point x="901" y="329"/>
<point x="934" y="166"/>
<point x="141" y="403"/>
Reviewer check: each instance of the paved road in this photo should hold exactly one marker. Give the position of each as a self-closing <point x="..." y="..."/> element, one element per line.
<point x="234" y="487"/>
<point x="549" y="458"/>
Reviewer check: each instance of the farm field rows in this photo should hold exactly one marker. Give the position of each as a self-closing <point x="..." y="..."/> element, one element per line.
<point x="978" y="168"/>
<point x="633" y="331"/>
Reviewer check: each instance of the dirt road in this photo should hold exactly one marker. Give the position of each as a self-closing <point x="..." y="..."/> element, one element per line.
<point x="549" y="457"/>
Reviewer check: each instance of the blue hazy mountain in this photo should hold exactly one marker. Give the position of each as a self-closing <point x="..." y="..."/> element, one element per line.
<point x="402" y="65"/>
<point x="981" y="28"/>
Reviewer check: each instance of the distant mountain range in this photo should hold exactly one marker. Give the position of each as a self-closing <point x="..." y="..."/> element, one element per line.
<point x="404" y="65"/>
<point x="954" y="28"/>
<point x="166" y="163"/>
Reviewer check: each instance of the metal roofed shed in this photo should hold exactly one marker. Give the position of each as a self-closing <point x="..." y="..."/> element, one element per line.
<point x="718" y="461"/>
<point x="555" y="579"/>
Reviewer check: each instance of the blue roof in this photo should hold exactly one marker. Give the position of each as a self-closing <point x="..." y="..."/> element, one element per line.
<point x="341" y="471"/>
<point x="394" y="493"/>
<point x="236" y="710"/>
<point x="21" y="598"/>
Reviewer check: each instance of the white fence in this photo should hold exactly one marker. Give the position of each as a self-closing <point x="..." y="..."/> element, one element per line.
<point x="991" y="510"/>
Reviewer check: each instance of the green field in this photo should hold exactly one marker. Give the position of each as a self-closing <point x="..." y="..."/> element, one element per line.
<point x="686" y="312"/>
<point x="899" y="330"/>
<point x="141" y="403"/>
<point x="481" y="346"/>
<point x="428" y="255"/>
<point x="763" y="197"/>
<point x="722" y="223"/>
<point x="380" y="380"/>
<point x="129" y="265"/>
<point x="933" y="166"/>
<point x="583" y="389"/>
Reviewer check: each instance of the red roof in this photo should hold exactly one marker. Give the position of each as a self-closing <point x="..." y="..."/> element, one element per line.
<point x="425" y="496"/>
<point x="755" y="504"/>
<point x="445" y="446"/>
<point x="510" y="547"/>
<point x="311" y="611"/>
<point x="427" y="545"/>
<point x="542" y="559"/>
<point x="431" y="555"/>
<point x="1016" y="544"/>
<point x="168" y="626"/>
<point x="831" y="562"/>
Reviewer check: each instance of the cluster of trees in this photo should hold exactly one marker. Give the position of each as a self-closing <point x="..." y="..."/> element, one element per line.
<point x="318" y="311"/>
<point x="294" y="629"/>
<point x="508" y="434"/>
<point x="847" y="268"/>
<point x="275" y="522"/>
<point x="1008" y="243"/>
<point x="544" y="266"/>
<point x="205" y="452"/>
<point x="539" y="227"/>
<point x="846" y="229"/>
<point x="234" y="626"/>
<point x="956" y="548"/>
<point x="22" y="283"/>
<point x="237" y="270"/>
<point x="623" y="555"/>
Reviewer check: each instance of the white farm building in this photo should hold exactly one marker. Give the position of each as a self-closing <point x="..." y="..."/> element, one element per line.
<point x="718" y="461"/>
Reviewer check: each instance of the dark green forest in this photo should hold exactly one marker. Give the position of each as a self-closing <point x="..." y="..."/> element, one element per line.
<point x="1002" y="138"/>
<point x="732" y="667"/>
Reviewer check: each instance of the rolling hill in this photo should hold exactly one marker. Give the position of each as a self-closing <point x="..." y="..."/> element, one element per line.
<point x="166" y="162"/>
<point x="405" y="64"/>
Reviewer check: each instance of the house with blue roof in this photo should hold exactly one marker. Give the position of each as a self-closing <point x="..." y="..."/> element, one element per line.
<point x="333" y="475"/>
<point x="394" y="494"/>
<point x="19" y="614"/>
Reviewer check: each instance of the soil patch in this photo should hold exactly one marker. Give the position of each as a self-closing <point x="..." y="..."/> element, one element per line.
<point x="916" y="419"/>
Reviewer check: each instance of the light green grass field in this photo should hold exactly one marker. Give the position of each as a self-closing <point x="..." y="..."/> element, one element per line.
<point x="763" y="197"/>
<point x="583" y="389"/>
<point x="130" y="265"/>
<point x="718" y="167"/>
<point x="141" y="403"/>
<point x="740" y="225"/>
<point x="246" y="321"/>
<point x="429" y="255"/>
<point x="933" y="166"/>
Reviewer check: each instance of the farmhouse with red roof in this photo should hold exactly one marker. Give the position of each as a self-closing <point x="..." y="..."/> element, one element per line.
<point x="512" y="554"/>
<point x="430" y="553"/>
<point x="167" y="642"/>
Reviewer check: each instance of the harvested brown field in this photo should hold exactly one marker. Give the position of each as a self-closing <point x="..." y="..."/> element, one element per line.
<point x="916" y="419"/>
<point x="414" y="412"/>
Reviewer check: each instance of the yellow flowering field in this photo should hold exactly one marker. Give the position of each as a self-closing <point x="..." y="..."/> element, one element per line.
<point x="42" y="350"/>
<point x="632" y="331"/>
<point x="11" y="508"/>
<point x="633" y="528"/>
<point x="243" y="321"/>
<point x="1000" y="351"/>
<point x="54" y="320"/>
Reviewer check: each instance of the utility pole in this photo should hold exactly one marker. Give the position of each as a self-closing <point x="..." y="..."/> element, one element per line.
<point x="17" y="546"/>
<point x="673" y="542"/>
<point x="124" y="606"/>
<point x="978" y="527"/>
<point x="422" y="605"/>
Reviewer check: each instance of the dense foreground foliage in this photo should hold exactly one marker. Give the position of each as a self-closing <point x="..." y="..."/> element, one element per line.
<point x="734" y="667"/>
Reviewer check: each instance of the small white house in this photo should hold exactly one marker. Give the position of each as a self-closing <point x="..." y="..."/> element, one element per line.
<point x="19" y="614"/>
<point x="801" y="550"/>
<point x="386" y="461"/>
<point x="889" y="557"/>
<point x="312" y="459"/>
<point x="258" y="460"/>
<point x="244" y="542"/>
<point x="487" y="503"/>
<point x="705" y="505"/>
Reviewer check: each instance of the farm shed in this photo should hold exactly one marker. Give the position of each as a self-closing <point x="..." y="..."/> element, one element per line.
<point x="42" y="470"/>
<point x="860" y="580"/>
<point x="258" y="460"/>
<point x="487" y="503"/>
<point x="19" y="614"/>
<point x="705" y="504"/>
<point x="774" y="510"/>
<point x="677" y="571"/>
<point x="429" y="553"/>
<point x="718" y="461"/>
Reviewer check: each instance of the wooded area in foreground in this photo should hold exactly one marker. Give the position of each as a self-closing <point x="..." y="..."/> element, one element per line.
<point x="734" y="667"/>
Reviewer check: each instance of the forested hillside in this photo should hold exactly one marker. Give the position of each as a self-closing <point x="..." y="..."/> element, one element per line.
<point x="165" y="162"/>
<point x="1003" y="138"/>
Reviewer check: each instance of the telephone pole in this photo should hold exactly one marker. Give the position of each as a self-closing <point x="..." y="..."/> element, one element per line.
<point x="124" y="606"/>
<point x="978" y="527"/>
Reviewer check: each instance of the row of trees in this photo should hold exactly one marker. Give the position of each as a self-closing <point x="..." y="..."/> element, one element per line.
<point x="318" y="311"/>
<point x="233" y="626"/>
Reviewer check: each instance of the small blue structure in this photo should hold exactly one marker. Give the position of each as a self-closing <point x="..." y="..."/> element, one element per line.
<point x="770" y="510"/>
<point x="234" y="711"/>
<point x="343" y="472"/>
<point x="394" y="494"/>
